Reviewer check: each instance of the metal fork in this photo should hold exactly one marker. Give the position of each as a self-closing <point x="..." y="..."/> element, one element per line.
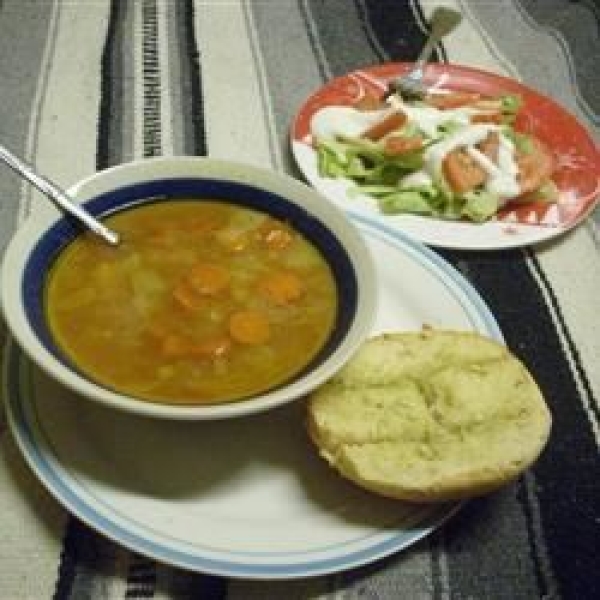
<point x="411" y="85"/>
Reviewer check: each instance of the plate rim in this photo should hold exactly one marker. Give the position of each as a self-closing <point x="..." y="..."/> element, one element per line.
<point x="539" y="233"/>
<point x="45" y="463"/>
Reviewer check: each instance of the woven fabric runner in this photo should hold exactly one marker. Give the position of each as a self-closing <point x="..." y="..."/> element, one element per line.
<point x="87" y="84"/>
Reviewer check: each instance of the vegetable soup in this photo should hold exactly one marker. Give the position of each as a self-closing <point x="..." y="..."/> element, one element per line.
<point x="203" y="302"/>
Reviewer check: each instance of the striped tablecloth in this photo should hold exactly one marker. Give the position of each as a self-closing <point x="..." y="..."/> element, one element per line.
<point x="86" y="84"/>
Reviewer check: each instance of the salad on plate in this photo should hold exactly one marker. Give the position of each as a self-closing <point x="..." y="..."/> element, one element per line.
<point x="453" y="155"/>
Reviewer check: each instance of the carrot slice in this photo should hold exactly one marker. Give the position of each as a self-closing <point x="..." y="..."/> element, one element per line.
<point x="249" y="327"/>
<point x="395" y="145"/>
<point x="208" y="279"/>
<point x="452" y="99"/>
<point x="391" y="122"/>
<point x="461" y="172"/>
<point x="281" y="287"/>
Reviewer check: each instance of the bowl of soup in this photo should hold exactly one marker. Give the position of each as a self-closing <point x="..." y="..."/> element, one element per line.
<point x="234" y="289"/>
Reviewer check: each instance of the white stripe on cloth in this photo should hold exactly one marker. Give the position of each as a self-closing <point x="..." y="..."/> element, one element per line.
<point x="63" y="131"/>
<point x="138" y="87"/>
<point x="237" y="126"/>
<point x="61" y="143"/>
<point x="32" y="524"/>
<point x="575" y="281"/>
<point x="32" y="133"/>
<point x="164" y="58"/>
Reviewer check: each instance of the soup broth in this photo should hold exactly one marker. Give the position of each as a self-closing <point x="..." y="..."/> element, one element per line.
<point x="203" y="302"/>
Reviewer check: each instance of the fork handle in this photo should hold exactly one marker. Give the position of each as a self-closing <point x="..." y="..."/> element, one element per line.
<point x="443" y="21"/>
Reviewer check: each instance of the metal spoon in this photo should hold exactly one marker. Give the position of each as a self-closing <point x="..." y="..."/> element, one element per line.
<point x="443" y="21"/>
<point x="58" y="196"/>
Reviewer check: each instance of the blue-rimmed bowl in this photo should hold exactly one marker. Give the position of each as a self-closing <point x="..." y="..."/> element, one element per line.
<point x="44" y="235"/>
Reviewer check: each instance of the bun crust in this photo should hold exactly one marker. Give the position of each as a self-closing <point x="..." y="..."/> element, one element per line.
<point x="430" y="416"/>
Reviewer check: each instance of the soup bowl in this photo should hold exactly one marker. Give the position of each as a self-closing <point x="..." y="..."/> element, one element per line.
<point x="43" y="239"/>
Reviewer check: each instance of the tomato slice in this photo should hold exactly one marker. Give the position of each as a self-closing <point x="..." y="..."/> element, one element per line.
<point x="390" y="123"/>
<point x="462" y="172"/>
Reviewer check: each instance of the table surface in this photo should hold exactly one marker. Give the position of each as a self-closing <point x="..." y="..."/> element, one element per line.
<point x="90" y="84"/>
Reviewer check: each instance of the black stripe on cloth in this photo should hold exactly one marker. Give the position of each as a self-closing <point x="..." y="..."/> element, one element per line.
<point x="85" y="554"/>
<point x="532" y="533"/>
<point x="109" y="121"/>
<point x="191" y="81"/>
<point x="176" y="583"/>
<point x="141" y="577"/>
<point x="401" y="28"/>
<point x="568" y="496"/>
<point x="68" y="561"/>
<point x="362" y="12"/>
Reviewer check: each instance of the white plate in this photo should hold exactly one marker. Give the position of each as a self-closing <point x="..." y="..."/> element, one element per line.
<point x="247" y="497"/>
<point x="577" y="161"/>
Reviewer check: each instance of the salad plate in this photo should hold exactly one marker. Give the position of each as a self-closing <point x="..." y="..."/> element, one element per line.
<point x="247" y="497"/>
<point x="576" y="173"/>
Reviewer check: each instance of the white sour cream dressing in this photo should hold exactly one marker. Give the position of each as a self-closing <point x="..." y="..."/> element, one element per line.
<point x="331" y="121"/>
<point x="429" y="119"/>
<point x="502" y="178"/>
<point x="469" y="136"/>
<point x="416" y="179"/>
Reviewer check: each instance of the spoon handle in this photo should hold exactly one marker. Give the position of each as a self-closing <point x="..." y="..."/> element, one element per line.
<point x="58" y="196"/>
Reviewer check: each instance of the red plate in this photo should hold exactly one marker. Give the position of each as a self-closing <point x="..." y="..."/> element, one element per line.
<point x="576" y="155"/>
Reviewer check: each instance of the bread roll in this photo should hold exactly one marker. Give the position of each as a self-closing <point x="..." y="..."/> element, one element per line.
<point x="430" y="416"/>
